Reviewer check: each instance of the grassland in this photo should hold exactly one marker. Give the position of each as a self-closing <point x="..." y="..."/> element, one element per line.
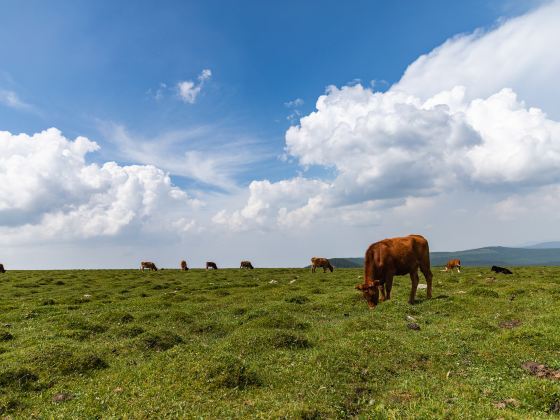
<point x="276" y="343"/>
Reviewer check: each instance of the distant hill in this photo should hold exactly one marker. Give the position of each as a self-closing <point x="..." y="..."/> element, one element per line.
<point x="492" y="255"/>
<point x="545" y="245"/>
<point x="347" y="262"/>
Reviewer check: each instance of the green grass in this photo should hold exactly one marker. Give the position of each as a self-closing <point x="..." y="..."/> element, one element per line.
<point x="230" y="344"/>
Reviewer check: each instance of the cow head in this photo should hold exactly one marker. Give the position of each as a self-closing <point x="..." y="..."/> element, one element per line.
<point x="331" y="268"/>
<point x="370" y="292"/>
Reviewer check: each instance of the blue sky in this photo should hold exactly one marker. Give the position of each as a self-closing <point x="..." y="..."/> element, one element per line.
<point x="81" y="62"/>
<point x="112" y="72"/>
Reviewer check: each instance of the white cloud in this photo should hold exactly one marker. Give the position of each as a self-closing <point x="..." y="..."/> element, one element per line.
<point x="189" y="90"/>
<point x="48" y="191"/>
<point x="386" y="148"/>
<point x="295" y="113"/>
<point x="287" y="203"/>
<point x="12" y="100"/>
<point x="203" y="153"/>
<point x="520" y="54"/>
<point x="294" y="103"/>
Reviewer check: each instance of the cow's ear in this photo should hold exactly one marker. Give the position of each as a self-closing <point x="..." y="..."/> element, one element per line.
<point x="360" y="286"/>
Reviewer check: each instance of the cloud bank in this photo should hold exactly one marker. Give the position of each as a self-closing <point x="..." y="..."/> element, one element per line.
<point x="48" y="191"/>
<point x="472" y="115"/>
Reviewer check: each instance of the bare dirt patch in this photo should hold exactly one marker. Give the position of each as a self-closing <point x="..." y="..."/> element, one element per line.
<point x="541" y="371"/>
<point x="510" y="402"/>
<point x="510" y="324"/>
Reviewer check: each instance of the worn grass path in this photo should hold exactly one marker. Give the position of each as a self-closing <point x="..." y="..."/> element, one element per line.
<point x="276" y="343"/>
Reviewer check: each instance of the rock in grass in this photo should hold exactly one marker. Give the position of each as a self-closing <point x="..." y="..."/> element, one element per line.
<point x="61" y="397"/>
<point x="413" y="326"/>
<point x="510" y="324"/>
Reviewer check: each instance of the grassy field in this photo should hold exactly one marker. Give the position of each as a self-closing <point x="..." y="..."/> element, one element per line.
<point x="276" y="343"/>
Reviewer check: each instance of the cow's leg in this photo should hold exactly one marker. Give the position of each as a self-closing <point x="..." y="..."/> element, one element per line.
<point x="381" y="288"/>
<point x="414" y="280"/>
<point x="388" y="287"/>
<point x="428" y="275"/>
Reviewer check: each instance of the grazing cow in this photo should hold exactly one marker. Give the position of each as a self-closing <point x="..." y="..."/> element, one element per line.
<point x="321" y="262"/>
<point x="497" y="269"/>
<point x="395" y="257"/>
<point x="184" y="266"/>
<point x="148" y="265"/>
<point x="451" y="264"/>
<point x="246" y="264"/>
<point x="2" y="269"/>
<point x="210" y="264"/>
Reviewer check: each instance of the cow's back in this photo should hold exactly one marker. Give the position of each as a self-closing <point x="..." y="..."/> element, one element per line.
<point x="400" y="255"/>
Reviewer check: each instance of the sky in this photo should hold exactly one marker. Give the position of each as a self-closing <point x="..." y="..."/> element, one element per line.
<point x="273" y="131"/>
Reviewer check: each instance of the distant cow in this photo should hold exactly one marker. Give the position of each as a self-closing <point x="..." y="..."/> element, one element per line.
<point x="246" y="264"/>
<point x="184" y="266"/>
<point x="451" y="264"/>
<point x="321" y="262"/>
<point x="2" y="269"/>
<point x="148" y="265"/>
<point x="497" y="269"/>
<point x="210" y="264"/>
<point x="395" y="257"/>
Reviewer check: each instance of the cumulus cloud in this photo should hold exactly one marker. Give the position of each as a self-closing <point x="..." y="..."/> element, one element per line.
<point x="48" y="190"/>
<point x="478" y="114"/>
<point x="387" y="147"/>
<point x="518" y="53"/>
<point x="189" y="90"/>
<point x="288" y="203"/>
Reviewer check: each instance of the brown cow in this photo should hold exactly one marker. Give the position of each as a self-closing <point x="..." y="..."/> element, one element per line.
<point x="210" y="264"/>
<point x="148" y="265"/>
<point x="395" y="257"/>
<point x="246" y="264"/>
<point x="184" y="266"/>
<point x="451" y="264"/>
<point x="2" y="269"/>
<point x="321" y="262"/>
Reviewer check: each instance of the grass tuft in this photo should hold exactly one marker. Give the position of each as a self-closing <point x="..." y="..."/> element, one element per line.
<point x="232" y="372"/>
<point x="300" y="299"/>
<point x="18" y="378"/>
<point x="6" y="336"/>
<point x="484" y="292"/>
<point x="161" y="341"/>
<point x="289" y="341"/>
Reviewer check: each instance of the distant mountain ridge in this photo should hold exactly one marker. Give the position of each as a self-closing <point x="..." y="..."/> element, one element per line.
<point x="545" y="245"/>
<point x="491" y="255"/>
